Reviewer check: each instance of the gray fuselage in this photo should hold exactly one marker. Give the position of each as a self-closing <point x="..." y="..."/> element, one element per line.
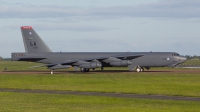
<point x="149" y="59"/>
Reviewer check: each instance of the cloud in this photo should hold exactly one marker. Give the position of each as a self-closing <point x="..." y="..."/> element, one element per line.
<point x="160" y="9"/>
<point x="68" y="27"/>
<point x="88" y="44"/>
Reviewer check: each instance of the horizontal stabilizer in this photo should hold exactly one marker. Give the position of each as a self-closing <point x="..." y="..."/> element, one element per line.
<point x="31" y="59"/>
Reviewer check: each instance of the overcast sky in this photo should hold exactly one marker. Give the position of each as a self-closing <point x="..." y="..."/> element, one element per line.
<point x="103" y="25"/>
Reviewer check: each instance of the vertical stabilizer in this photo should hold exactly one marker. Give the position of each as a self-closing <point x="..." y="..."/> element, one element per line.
<point x="32" y="41"/>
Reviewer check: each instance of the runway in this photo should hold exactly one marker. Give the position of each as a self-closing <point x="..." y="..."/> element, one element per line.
<point x="118" y="95"/>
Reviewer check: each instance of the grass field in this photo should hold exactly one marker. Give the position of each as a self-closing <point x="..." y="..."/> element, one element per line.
<point x="162" y="83"/>
<point x="20" y="102"/>
<point x="15" y="65"/>
<point x="194" y="61"/>
<point x="142" y="83"/>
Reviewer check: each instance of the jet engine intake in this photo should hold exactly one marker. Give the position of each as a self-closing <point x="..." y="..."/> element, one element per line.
<point x="91" y="65"/>
<point x="121" y="63"/>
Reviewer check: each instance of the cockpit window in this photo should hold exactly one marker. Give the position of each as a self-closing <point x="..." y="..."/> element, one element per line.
<point x="175" y="54"/>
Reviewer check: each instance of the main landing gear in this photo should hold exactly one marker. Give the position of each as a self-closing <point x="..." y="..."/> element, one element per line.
<point x="85" y="70"/>
<point x="139" y="69"/>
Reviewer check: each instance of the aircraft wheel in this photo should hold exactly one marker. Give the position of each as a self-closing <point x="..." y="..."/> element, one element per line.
<point x="138" y="70"/>
<point x="142" y="70"/>
<point x="52" y="71"/>
<point x="87" y="70"/>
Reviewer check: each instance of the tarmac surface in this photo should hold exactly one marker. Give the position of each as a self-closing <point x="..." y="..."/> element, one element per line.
<point x="119" y="95"/>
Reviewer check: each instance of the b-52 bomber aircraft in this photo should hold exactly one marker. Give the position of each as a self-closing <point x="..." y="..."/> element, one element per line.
<point x="38" y="51"/>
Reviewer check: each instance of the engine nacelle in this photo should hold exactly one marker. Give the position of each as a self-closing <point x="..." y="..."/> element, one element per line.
<point x="121" y="63"/>
<point x="91" y="65"/>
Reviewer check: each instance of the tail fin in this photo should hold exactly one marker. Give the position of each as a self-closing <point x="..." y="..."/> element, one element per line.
<point x="32" y="41"/>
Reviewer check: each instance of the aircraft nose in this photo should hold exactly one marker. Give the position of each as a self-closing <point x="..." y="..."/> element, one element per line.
<point x="182" y="59"/>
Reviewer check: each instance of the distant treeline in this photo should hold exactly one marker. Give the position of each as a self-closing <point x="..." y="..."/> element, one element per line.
<point x="192" y="57"/>
<point x="5" y="59"/>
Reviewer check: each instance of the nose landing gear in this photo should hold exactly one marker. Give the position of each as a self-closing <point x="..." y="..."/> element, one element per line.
<point x="52" y="71"/>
